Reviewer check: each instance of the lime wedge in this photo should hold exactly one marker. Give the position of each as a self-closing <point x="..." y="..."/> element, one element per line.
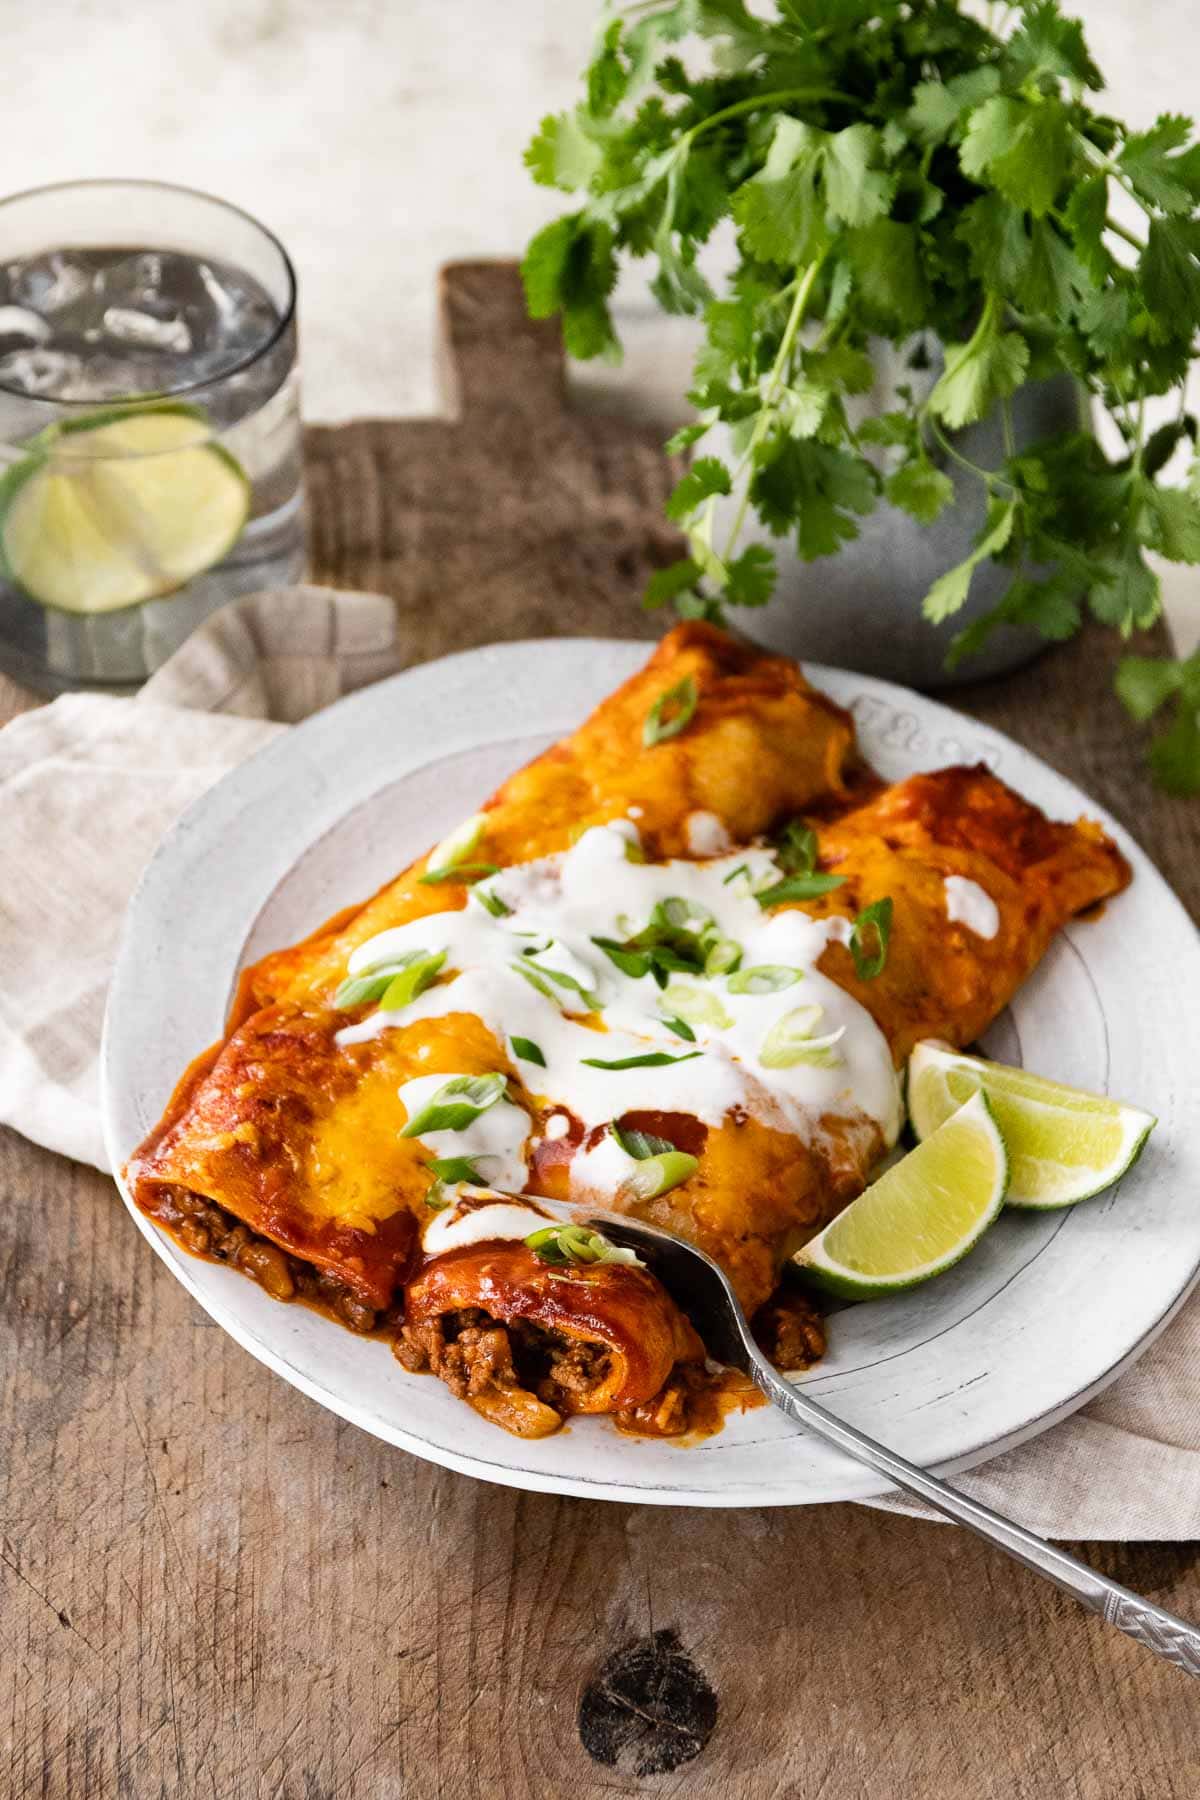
<point x="1063" y="1144"/>
<point x="920" y="1217"/>
<point x="119" y="507"/>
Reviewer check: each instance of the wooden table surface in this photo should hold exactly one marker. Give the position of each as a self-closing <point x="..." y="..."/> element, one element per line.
<point x="213" y="1588"/>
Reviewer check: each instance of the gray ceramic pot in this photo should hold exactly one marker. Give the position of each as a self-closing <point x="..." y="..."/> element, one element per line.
<point x="861" y="609"/>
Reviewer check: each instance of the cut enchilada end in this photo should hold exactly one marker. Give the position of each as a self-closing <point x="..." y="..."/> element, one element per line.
<point x="284" y="1150"/>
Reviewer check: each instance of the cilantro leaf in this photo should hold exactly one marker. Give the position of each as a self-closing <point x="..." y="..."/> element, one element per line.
<point x="949" y="593"/>
<point x="666" y="584"/>
<point x="752" y="577"/>
<point x="987" y="368"/>
<point x="706" y="477"/>
<point x="994" y="233"/>
<point x="607" y="76"/>
<point x="1144" y="683"/>
<point x="1048" y="44"/>
<point x="1175" y="756"/>
<point x="885" y="258"/>
<point x="1086" y="216"/>
<point x="570" y="268"/>
<point x="816" y="489"/>
<point x="1021" y="148"/>
<point x="781" y="215"/>
<point x="939" y="105"/>
<point x="920" y="489"/>
<point x="1168" y="270"/>
<point x="1171" y="523"/>
<point x="855" y="191"/>
<point x="562" y="154"/>
<point x="1167" y="181"/>
<point x="1126" y="593"/>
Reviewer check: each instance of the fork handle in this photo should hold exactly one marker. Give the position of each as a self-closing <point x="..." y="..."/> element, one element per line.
<point x="1163" y="1632"/>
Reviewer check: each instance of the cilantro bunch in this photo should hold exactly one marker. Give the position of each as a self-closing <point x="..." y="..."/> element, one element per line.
<point x="894" y="169"/>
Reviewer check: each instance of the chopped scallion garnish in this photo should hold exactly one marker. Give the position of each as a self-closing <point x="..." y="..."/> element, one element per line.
<point x="791" y="1041"/>
<point x="681" y="1029"/>
<point x="464" y="872"/>
<point x="457" y="1104"/>
<point x="404" y="987"/>
<point x="492" y="902"/>
<point x="653" y="1059"/>
<point x="656" y="1174"/>
<point x="798" y="887"/>
<point x="699" y="1006"/>
<point x="640" y="1144"/>
<point x="870" y="938"/>
<point x="564" y="1244"/>
<point x="671" y="712"/>
<point x="764" y="978"/>
<point x="453" y="851"/>
<point x="723" y="955"/>
<point x="454" y="1168"/>
<point x="527" y="1050"/>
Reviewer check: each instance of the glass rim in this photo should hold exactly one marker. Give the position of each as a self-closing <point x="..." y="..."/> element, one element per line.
<point x="286" y="316"/>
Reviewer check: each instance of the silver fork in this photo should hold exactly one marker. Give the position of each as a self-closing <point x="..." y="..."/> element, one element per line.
<point x="702" y="1291"/>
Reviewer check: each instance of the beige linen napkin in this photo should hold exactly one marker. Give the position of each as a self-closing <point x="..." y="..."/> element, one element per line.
<point x="89" y="784"/>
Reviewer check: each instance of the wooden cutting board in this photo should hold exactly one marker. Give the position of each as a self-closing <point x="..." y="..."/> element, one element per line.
<point x="212" y="1588"/>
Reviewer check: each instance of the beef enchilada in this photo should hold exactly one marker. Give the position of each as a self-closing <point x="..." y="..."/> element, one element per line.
<point x="672" y="968"/>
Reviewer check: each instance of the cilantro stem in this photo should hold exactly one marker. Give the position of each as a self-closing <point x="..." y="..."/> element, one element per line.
<point x="989" y="477"/>
<point x="1006" y="420"/>
<point x="774" y="382"/>
<point x="757" y="101"/>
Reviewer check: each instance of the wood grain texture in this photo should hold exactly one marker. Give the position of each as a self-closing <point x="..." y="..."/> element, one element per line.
<point x="212" y="1588"/>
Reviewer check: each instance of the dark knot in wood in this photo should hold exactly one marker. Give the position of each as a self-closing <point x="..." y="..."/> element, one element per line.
<point x="649" y="1707"/>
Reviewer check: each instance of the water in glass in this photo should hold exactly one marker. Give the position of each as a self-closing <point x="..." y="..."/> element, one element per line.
<point x="149" y="430"/>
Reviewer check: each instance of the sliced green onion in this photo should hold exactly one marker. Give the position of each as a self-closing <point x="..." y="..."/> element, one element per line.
<point x="528" y="1051"/>
<point x="796" y="848"/>
<point x="654" y="1059"/>
<point x="369" y="987"/>
<point x="699" y="1006"/>
<point x="655" y="1174"/>
<point x="411" y="981"/>
<point x="723" y="955"/>
<point x="873" y="927"/>
<point x="640" y="1144"/>
<point x="671" y="712"/>
<point x="454" y="1168"/>
<point x="742" y="869"/>
<point x="798" y="887"/>
<point x="562" y="1244"/>
<point x="791" y="1041"/>
<point x="454" y="849"/>
<point x="634" y="963"/>
<point x="493" y="903"/>
<point x="562" y="980"/>
<point x="634" y="852"/>
<point x="679" y="912"/>
<point x="436" y="1197"/>
<point x="681" y="1029"/>
<point x="535" y="981"/>
<point x="465" y="872"/>
<point x="764" y="978"/>
<point x="457" y="1104"/>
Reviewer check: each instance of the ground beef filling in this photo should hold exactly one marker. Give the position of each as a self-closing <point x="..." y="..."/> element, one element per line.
<point x="207" y="1230"/>
<point x="790" y="1330"/>
<point x="472" y="1352"/>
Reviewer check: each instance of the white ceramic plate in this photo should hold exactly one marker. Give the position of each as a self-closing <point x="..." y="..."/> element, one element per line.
<point x="1040" y="1317"/>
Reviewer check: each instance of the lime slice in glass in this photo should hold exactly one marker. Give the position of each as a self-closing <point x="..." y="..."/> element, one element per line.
<point x="119" y="506"/>
<point x="1064" y="1144"/>
<point x="920" y="1217"/>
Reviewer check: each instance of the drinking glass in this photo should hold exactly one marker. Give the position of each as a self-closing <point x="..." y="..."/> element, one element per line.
<point x="149" y="425"/>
